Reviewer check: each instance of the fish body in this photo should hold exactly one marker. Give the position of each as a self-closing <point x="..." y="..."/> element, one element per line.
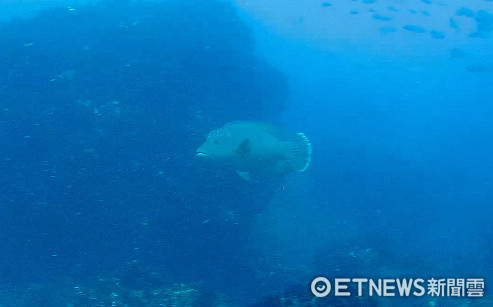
<point x="256" y="148"/>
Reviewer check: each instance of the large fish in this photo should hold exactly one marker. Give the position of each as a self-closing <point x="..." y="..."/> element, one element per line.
<point x="256" y="149"/>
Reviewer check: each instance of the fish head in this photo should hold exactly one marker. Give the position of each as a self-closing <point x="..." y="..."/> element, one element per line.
<point x="219" y="145"/>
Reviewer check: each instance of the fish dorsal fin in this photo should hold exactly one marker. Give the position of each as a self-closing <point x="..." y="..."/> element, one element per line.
<point x="244" y="148"/>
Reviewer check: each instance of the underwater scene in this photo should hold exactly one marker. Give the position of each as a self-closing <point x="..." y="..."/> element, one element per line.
<point x="246" y="153"/>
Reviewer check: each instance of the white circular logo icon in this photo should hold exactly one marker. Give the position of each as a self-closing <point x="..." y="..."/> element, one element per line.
<point x="320" y="287"/>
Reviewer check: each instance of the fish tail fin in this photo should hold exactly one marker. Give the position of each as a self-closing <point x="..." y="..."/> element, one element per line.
<point x="302" y="152"/>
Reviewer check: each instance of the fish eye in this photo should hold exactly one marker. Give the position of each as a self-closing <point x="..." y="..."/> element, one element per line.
<point x="216" y="142"/>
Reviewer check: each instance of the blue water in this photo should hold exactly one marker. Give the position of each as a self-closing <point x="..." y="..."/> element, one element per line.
<point x="103" y="104"/>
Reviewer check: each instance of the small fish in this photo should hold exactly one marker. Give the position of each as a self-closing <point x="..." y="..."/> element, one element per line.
<point x="256" y="149"/>
<point x="414" y="28"/>
<point x="382" y="18"/>
<point x="484" y="21"/>
<point x="480" y="68"/>
<point x="437" y="34"/>
<point x="453" y="24"/>
<point x="464" y="11"/>
<point x="386" y="30"/>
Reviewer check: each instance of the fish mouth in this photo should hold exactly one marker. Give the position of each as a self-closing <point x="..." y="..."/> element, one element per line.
<point x="200" y="154"/>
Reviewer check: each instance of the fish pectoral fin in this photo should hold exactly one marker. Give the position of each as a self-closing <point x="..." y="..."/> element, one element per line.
<point x="244" y="148"/>
<point x="245" y="175"/>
